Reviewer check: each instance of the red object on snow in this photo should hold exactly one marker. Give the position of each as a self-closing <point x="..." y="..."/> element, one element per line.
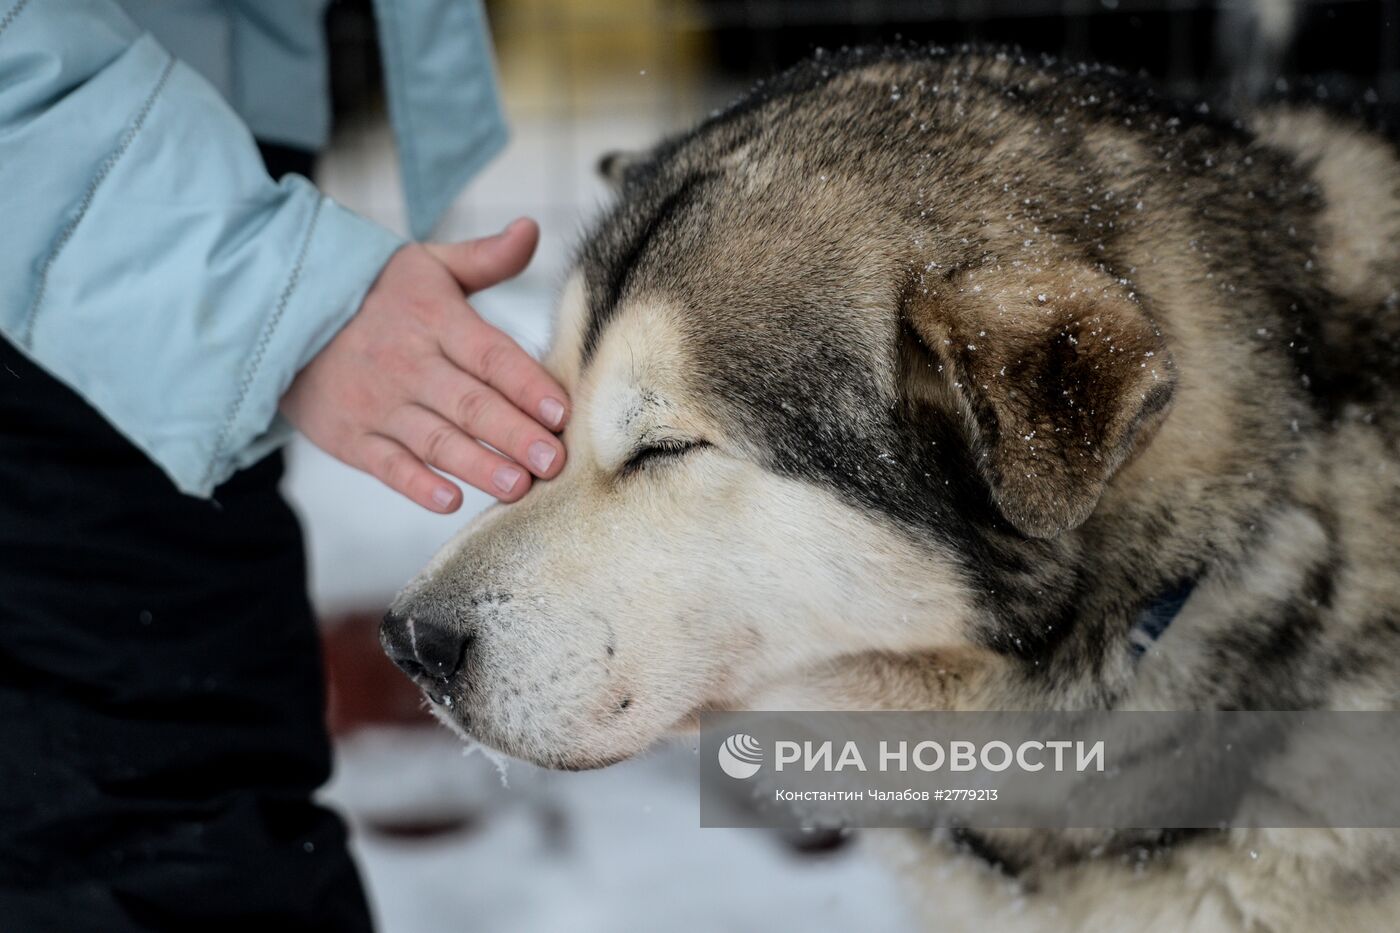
<point x="363" y="686"/>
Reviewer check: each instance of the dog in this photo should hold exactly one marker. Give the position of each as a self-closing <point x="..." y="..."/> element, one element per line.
<point x="908" y="381"/>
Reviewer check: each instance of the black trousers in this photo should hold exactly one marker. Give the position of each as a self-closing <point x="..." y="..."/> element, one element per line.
<point x="161" y="697"/>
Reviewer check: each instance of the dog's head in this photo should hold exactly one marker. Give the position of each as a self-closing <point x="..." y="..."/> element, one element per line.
<point x="806" y="427"/>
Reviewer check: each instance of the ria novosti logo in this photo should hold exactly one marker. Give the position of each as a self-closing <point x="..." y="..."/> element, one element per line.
<point x="740" y="756"/>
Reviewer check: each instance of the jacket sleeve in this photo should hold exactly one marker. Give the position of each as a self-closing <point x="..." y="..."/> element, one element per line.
<point x="148" y="260"/>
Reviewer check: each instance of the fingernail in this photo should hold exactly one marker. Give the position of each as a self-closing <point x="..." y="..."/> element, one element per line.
<point x="540" y="455"/>
<point x="505" y="478"/>
<point x="443" y="496"/>
<point x="552" y="412"/>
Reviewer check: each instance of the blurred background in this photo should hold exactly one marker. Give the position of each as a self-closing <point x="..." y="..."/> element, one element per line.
<point x="453" y="840"/>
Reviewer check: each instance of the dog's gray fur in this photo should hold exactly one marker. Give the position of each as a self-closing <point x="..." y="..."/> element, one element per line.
<point x="1044" y="335"/>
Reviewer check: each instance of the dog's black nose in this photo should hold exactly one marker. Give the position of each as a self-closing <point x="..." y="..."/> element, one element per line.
<point x="424" y="647"/>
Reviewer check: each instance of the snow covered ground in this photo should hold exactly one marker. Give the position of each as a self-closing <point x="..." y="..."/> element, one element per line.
<point x="610" y="851"/>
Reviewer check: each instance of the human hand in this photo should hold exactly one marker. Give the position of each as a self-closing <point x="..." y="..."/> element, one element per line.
<point x="417" y="378"/>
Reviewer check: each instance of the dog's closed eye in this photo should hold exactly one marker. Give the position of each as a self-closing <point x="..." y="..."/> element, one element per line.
<point x="657" y="451"/>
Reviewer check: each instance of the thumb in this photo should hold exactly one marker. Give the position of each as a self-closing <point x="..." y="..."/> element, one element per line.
<point x="481" y="263"/>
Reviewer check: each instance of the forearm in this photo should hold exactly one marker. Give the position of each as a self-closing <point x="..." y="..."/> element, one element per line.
<point x="150" y="261"/>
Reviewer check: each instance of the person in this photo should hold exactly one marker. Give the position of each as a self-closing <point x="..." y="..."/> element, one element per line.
<point x="174" y="297"/>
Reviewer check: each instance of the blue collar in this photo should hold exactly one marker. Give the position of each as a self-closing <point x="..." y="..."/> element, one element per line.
<point x="1159" y="613"/>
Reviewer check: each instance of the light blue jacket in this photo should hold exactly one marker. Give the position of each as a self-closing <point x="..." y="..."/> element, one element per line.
<point x="147" y="259"/>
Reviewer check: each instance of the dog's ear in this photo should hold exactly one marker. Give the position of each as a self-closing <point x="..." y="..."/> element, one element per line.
<point x="1056" y="378"/>
<point x="613" y="167"/>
